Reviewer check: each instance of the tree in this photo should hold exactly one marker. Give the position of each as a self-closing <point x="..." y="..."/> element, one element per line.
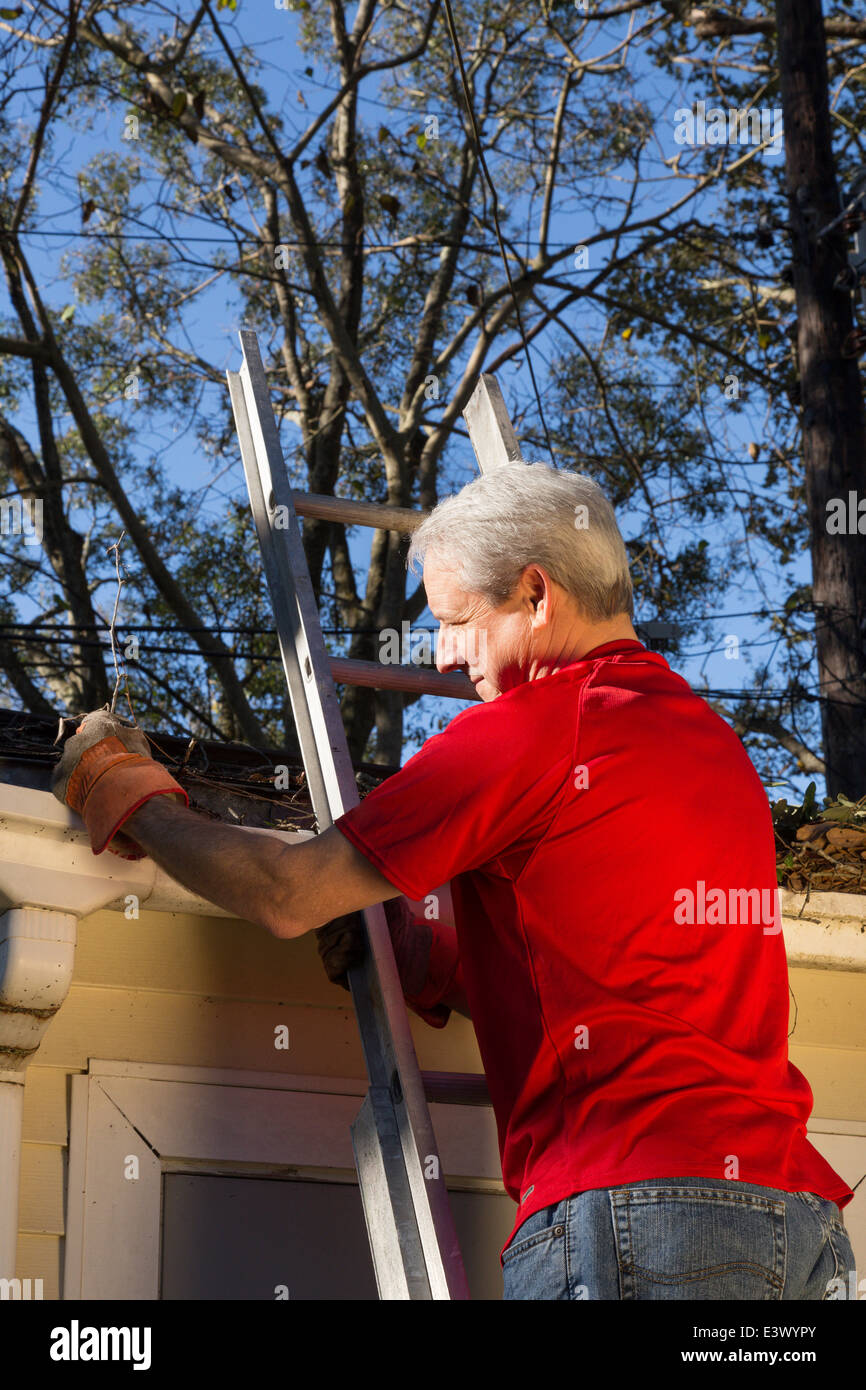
<point x="831" y="392"/>
<point x="366" y="257"/>
<point x="827" y="386"/>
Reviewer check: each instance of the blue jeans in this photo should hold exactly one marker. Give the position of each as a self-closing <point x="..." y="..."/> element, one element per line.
<point x="684" y="1239"/>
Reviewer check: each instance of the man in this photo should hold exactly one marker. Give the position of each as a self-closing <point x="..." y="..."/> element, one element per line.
<point x="615" y="936"/>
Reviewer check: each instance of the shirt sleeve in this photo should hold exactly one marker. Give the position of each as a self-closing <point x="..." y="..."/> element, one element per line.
<point x="490" y="782"/>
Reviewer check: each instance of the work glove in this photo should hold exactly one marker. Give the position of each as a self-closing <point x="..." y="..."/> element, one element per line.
<point x="106" y="773"/>
<point x="341" y="945"/>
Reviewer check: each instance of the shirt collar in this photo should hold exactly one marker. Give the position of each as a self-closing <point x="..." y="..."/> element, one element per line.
<point x="620" y="644"/>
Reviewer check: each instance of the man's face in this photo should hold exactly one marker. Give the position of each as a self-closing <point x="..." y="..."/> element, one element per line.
<point x="491" y="645"/>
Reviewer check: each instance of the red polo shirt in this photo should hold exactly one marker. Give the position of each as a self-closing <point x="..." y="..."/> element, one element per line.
<point x="613" y="874"/>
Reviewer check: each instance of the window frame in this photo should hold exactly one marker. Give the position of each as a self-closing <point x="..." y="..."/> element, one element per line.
<point x="209" y="1120"/>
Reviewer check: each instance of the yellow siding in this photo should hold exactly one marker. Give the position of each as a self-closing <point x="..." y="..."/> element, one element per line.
<point x="198" y="991"/>
<point x="40" y="1210"/>
<point x="197" y="1030"/>
<point x="830" y="1009"/>
<point x="827" y="1039"/>
<point x="185" y="991"/>
<point x="837" y="1078"/>
<point x="41" y="1257"/>
<point x="46" y="1112"/>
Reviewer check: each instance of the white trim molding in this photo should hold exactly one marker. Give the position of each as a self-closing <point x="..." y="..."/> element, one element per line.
<point x="824" y="930"/>
<point x="132" y="1122"/>
<point x="46" y="861"/>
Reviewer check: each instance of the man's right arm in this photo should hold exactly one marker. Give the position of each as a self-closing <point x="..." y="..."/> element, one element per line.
<point x="425" y="949"/>
<point x="444" y="912"/>
<point x="456" y="1000"/>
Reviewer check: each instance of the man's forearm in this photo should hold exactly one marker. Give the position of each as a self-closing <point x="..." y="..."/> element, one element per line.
<point x="238" y="870"/>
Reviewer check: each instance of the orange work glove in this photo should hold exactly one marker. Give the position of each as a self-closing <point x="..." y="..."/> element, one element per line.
<point x="105" y="774"/>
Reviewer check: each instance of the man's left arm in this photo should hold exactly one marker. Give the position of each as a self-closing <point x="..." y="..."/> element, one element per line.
<point x="288" y="889"/>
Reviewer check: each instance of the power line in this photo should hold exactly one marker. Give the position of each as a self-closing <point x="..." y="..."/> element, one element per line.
<point x="25" y="628"/>
<point x="420" y="240"/>
<point x="25" y="631"/>
<point x="736" y="692"/>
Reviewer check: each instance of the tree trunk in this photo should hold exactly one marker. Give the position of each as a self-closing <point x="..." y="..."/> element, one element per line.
<point x="834" y="433"/>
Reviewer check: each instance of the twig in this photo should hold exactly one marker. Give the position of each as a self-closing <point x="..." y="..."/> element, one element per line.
<point x="117" y="673"/>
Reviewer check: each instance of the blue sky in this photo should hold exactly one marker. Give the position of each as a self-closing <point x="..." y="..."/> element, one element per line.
<point x="214" y="319"/>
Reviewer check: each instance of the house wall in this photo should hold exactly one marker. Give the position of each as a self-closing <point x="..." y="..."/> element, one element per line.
<point x="827" y="1038"/>
<point x="193" y="991"/>
<point x="200" y="991"/>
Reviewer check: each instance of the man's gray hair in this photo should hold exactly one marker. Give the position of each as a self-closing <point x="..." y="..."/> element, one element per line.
<point x="529" y="513"/>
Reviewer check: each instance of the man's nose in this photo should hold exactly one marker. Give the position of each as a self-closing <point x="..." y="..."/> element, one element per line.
<point x="447" y="653"/>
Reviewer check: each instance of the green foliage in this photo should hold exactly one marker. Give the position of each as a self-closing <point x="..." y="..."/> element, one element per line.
<point x="788" y="819"/>
<point x="668" y="307"/>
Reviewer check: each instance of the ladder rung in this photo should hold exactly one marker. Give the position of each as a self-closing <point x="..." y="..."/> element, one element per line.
<point x="350" y="671"/>
<point x="456" y="1088"/>
<point x="318" y="504"/>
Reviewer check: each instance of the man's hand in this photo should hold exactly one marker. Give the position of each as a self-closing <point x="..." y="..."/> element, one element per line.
<point x="105" y="774"/>
<point x="341" y="945"/>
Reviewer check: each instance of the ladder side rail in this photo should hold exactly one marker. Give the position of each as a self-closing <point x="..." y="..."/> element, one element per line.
<point x="490" y="429"/>
<point x="376" y="989"/>
<point x="395" y="1240"/>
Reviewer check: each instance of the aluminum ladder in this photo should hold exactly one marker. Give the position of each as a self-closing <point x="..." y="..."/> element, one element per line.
<point x="408" y="1216"/>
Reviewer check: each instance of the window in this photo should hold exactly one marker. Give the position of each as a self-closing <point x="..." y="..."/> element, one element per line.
<point x="241" y="1185"/>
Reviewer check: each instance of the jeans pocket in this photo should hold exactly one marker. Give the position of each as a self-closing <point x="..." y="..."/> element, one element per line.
<point x="698" y="1244"/>
<point x="534" y="1265"/>
<point x="536" y="1230"/>
<point x="831" y="1277"/>
<point x="842" y="1283"/>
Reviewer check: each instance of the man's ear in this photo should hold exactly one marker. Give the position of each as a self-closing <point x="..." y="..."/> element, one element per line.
<point x="540" y="583"/>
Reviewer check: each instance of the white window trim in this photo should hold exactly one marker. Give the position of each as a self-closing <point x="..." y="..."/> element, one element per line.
<point x="214" y="1120"/>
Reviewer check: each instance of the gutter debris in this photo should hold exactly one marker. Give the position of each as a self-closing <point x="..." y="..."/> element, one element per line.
<point x="817" y="850"/>
<point x="264" y="788"/>
<point x="821" y="851"/>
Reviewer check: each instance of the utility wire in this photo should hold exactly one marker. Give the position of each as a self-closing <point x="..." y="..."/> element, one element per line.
<point x="24" y="628"/>
<point x="420" y="239"/>
<point x="737" y="692"/>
